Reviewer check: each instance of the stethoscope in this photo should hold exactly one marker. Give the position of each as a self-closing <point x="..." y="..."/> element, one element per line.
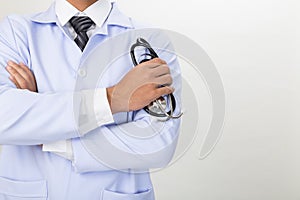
<point x="157" y="108"/>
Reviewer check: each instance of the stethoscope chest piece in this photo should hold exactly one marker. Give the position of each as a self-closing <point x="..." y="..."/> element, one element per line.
<point x="155" y="107"/>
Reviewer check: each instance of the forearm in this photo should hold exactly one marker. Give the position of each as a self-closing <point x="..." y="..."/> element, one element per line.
<point x="118" y="147"/>
<point x="124" y="145"/>
<point x="30" y="118"/>
<point x="138" y="141"/>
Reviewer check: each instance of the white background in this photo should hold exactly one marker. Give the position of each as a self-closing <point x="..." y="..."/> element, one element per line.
<point x="255" y="45"/>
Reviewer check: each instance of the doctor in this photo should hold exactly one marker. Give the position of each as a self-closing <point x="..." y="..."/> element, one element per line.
<point x="42" y="155"/>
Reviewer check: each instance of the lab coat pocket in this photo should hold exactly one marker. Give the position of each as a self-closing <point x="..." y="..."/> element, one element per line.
<point x="109" y="195"/>
<point x="21" y="190"/>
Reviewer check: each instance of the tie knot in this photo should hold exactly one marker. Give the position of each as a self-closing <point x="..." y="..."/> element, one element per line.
<point x="81" y="24"/>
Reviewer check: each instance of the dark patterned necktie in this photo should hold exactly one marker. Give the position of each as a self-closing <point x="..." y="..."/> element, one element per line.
<point x="81" y="25"/>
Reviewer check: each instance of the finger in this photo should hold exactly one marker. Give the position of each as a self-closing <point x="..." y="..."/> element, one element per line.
<point x="28" y="71"/>
<point x="15" y="82"/>
<point x="23" y="66"/>
<point x="149" y="65"/>
<point x="15" y="74"/>
<point x="164" y="91"/>
<point x="156" y="62"/>
<point x="161" y="70"/>
<point x="20" y="70"/>
<point x="164" y="80"/>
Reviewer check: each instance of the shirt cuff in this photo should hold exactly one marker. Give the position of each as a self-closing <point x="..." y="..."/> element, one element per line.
<point x="101" y="108"/>
<point x="62" y="148"/>
<point x="59" y="146"/>
<point x="94" y="110"/>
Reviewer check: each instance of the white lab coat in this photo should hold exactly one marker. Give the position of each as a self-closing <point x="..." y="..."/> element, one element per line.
<point x="29" y="119"/>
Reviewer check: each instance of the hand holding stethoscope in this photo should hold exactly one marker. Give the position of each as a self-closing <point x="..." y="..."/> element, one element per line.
<point x="157" y="108"/>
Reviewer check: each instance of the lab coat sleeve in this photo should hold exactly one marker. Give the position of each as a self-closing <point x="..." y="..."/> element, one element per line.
<point x="101" y="111"/>
<point x="140" y="144"/>
<point x="29" y="118"/>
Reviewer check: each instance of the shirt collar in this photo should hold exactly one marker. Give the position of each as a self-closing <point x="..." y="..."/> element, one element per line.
<point x="98" y="11"/>
<point x="116" y="17"/>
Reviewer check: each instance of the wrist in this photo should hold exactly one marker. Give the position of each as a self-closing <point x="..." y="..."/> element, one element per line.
<point x="113" y="100"/>
<point x="109" y="92"/>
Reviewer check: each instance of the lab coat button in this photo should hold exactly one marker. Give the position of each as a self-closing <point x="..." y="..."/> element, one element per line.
<point x="82" y="72"/>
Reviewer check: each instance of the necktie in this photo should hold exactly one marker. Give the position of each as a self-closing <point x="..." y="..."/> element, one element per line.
<point x="81" y="25"/>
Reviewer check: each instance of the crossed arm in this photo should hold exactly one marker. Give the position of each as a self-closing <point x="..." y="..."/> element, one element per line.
<point x="158" y="150"/>
<point x="31" y="118"/>
<point x="136" y="90"/>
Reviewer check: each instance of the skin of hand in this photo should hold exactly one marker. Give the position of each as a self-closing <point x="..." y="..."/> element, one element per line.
<point x="137" y="89"/>
<point x="140" y="86"/>
<point x="21" y="76"/>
